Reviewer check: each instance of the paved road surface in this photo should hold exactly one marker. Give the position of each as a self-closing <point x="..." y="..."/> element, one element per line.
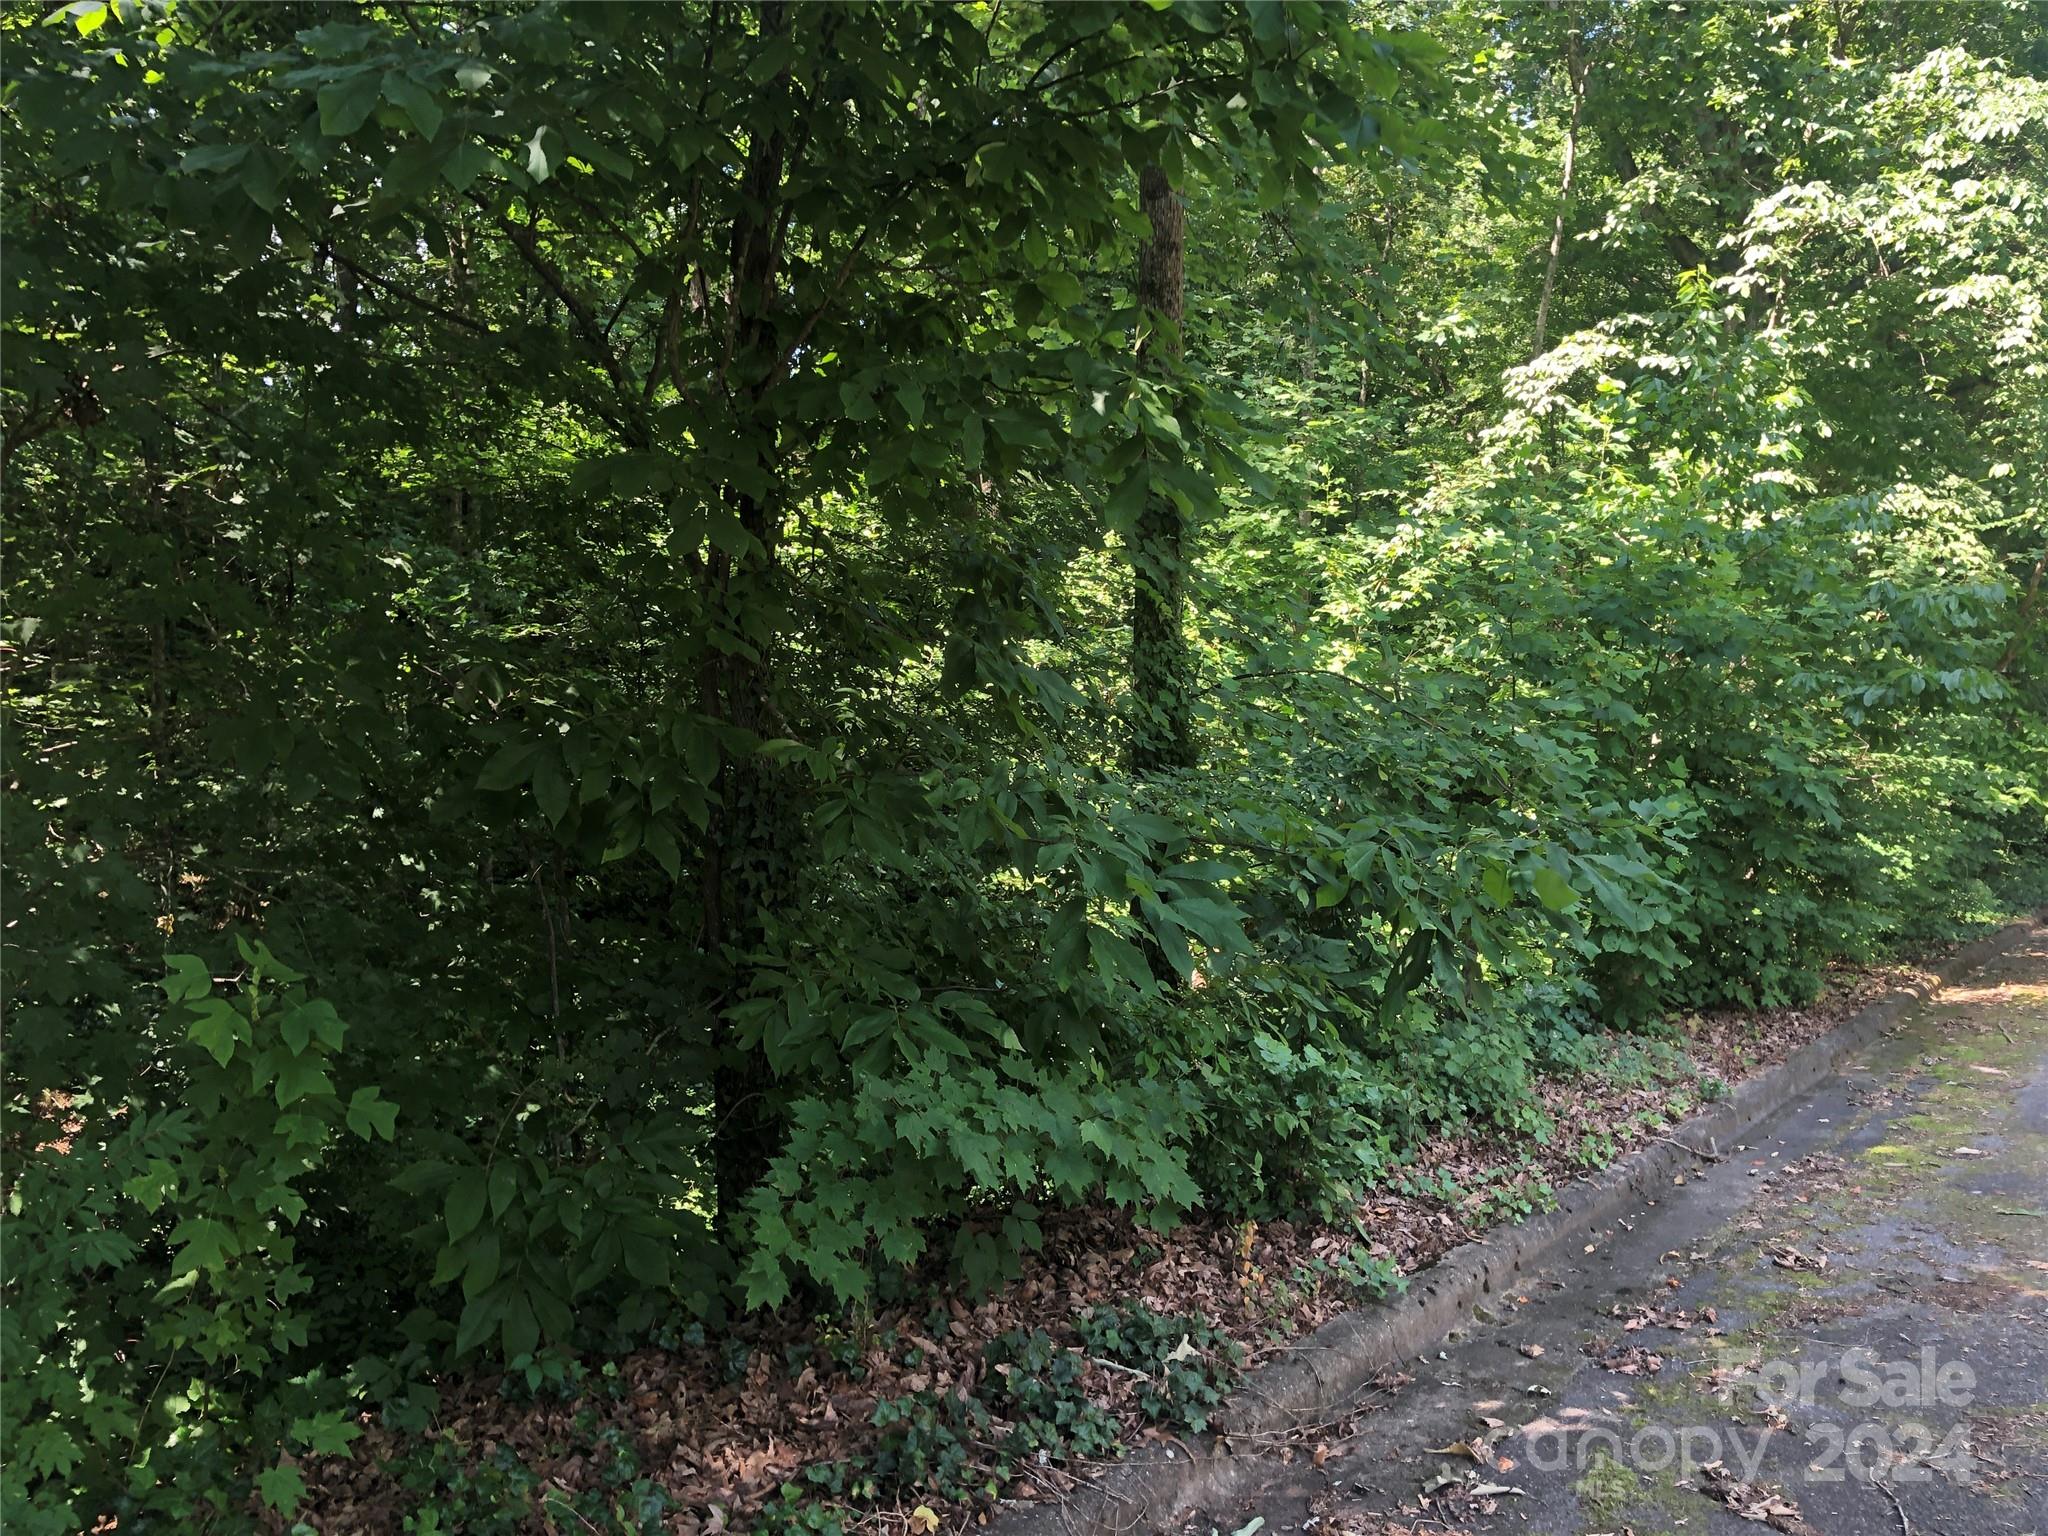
<point x="1849" y="1316"/>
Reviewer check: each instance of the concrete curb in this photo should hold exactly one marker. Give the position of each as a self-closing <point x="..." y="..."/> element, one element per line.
<point x="1324" y="1375"/>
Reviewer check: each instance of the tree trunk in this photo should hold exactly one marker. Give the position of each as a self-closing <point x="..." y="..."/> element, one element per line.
<point x="1575" y="67"/>
<point x="752" y="861"/>
<point x="2023" y="621"/>
<point x="1159" y="648"/>
<point x="1685" y="250"/>
<point x="751" y="875"/>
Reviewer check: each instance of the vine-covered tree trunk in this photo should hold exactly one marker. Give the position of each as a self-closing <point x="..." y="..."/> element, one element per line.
<point x="751" y="852"/>
<point x="752" y="873"/>
<point x="1159" y="647"/>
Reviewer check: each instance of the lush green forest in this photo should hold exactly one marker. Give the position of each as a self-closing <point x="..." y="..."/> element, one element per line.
<point x="676" y="663"/>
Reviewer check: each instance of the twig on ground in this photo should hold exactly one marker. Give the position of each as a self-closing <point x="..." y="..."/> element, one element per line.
<point x="1905" y="1525"/>
<point x="1707" y="1157"/>
<point x="1044" y="1482"/>
<point x="1342" y="1424"/>
<point x="1128" y="1370"/>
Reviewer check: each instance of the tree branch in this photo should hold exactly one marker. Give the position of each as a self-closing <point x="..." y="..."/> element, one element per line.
<point x="526" y="240"/>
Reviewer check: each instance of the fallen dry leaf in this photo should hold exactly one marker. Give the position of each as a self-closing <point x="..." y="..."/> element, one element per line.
<point x="1752" y="1501"/>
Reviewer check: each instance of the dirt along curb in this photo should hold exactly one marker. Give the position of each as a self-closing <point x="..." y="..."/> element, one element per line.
<point x="1324" y="1376"/>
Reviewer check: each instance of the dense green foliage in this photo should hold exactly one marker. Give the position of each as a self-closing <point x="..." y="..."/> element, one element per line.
<point x="575" y="746"/>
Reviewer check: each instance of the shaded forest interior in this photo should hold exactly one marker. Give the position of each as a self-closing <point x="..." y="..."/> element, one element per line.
<point x="677" y="665"/>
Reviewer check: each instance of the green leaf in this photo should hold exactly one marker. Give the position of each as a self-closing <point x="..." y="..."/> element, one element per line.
<point x="1552" y="889"/>
<point x="282" y="1488"/>
<point x="346" y="104"/>
<point x="218" y="1027"/>
<point x="187" y="978"/>
<point x="464" y="1207"/>
<point x="479" y="1317"/>
<point x="551" y="789"/>
<point x="201" y="1242"/>
<point x="316" y="1018"/>
<point x="763" y="1281"/>
<point x="152" y="1187"/>
<point x="319" y="1017"/>
<point x="481" y="1270"/>
<point x="300" y="1077"/>
<point x="504" y="1184"/>
<point x="415" y="101"/>
<point x="661" y="842"/>
<point x="325" y="1434"/>
<point x="205" y="158"/>
<point x="45" y="1448"/>
<point x="263" y="177"/>
<point x="647" y="1259"/>
<point x="368" y="1114"/>
<point x="512" y="765"/>
<point x="468" y="161"/>
<point x="521" y="1329"/>
<point x="266" y="964"/>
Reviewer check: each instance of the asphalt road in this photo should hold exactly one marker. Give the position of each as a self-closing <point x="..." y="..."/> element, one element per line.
<point x="1840" y="1328"/>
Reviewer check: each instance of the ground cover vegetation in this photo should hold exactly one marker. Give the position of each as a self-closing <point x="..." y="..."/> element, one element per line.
<point x="679" y="672"/>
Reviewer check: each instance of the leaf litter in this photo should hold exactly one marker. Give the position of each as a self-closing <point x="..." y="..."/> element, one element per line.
<point x="721" y="1442"/>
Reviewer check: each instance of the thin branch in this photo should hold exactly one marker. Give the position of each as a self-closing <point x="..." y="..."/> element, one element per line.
<point x="525" y="239"/>
<point x="1885" y="1487"/>
<point x="417" y="300"/>
<point x="838" y="282"/>
<point x="26" y="431"/>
